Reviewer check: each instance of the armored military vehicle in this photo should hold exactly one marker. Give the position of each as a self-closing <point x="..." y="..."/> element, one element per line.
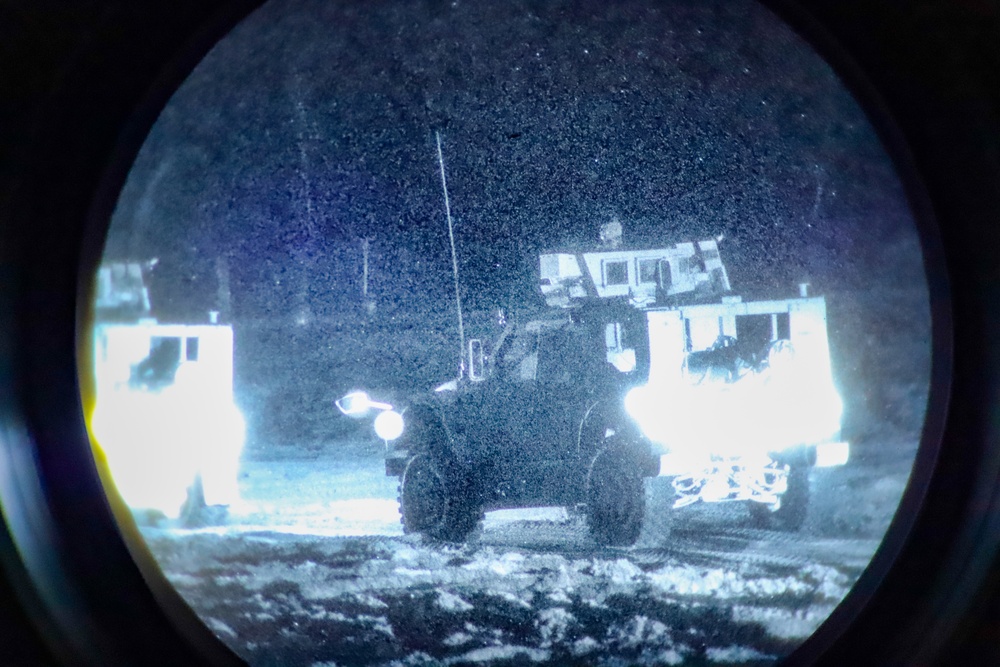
<point x="643" y="364"/>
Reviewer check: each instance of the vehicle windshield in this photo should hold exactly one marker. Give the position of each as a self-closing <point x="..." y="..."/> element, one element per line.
<point x="517" y="358"/>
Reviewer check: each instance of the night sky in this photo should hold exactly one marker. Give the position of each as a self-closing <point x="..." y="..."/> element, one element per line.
<point x="312" y="126"/>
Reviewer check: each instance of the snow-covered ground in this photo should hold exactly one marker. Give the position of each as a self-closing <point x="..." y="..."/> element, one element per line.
<point x="313" y="569"/>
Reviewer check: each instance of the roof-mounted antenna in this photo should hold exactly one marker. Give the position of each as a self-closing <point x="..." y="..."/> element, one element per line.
<point x="454" y="261"/>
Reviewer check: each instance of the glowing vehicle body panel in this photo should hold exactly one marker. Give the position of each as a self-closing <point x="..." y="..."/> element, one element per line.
<point x="164" y="417"/>
<point x="765" y="396"/>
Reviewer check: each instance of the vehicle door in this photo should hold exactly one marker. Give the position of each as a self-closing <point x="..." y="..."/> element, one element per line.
<point x="491" y="414"/>
<point x="564" y="390"/>
<point x="539" y="405"/>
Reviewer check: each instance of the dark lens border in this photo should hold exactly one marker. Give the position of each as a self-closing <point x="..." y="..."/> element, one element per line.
<point x="86" y="82"/>
<point x="931" y="65"/>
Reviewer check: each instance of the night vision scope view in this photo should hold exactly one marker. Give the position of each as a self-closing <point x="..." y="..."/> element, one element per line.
<point x="481" y="333"/>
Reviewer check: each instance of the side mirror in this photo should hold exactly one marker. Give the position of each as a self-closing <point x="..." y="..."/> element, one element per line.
<point x="359" y="404"/>
<point x="477" y="362"/>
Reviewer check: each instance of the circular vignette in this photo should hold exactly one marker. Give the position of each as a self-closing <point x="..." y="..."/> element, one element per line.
<point x="863" y="620"/>
<point x="931" y="590"/>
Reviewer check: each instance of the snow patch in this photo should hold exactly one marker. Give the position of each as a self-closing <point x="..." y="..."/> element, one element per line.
<point x="552" y="625"/>
<point x="573" y="601"/>
<point x="784" y="623"/>
<point x="410" y="572"/>
<point x="499" y="518"/>
<point x="830" y="582"/>
<point x="517" y="601"/>
<point x="379" y="624"/>
<point x="735" y="654"/>
<point x="180" y="580"/>
<point x="640" y="631"/>
<point x="457" y="639"/>
<point x="220" y="628"/>
<point x="495" y="653"/>
<point x="451" y="602"/>
<point x="499" y="564"/>
<point x="726" y="584"/>
<point x="620" y="571"/>
<point x="584" y="645"/>
<point x="416" y="659"/>
<point x="367" y="600"/>
<point x="670" y="657"/>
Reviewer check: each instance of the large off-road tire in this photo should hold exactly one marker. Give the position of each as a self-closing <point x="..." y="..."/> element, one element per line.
<point x="794" y="506"/>
<point x="434" y="499"/>
<point x="616" y="497"/>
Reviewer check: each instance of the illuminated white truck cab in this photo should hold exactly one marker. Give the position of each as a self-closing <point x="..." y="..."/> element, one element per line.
<point x="643" y="276"/>
<point x="164" y="417"/>
<point x="764" y="386"/>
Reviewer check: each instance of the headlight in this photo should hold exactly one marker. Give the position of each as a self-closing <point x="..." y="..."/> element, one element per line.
<point x="650" y="407"/>
<point x="389" y="425"/>
<point x="635" y="402"/>
<point x="742" y="418"/>
<point x="156" y="444"/>
<point x="358" y="404"/>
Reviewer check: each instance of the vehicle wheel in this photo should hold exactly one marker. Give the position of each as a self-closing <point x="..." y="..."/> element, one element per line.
<point x="791" y="513"/>
<point x="616" y="498"/>
<point x="433" y="502"/>
<point x="593" y="435"/>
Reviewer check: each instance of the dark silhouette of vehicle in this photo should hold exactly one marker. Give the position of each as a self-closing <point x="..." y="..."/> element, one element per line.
<point x="537" y="422"/>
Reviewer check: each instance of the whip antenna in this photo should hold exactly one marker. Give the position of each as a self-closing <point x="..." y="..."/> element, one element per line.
<point x="454" y="260"/>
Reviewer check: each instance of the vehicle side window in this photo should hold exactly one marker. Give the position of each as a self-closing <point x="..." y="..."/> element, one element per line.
<point x="191" y="348"/>
<point x="157" y="370"/>
<point x="666" y="274"/>
<point x="519" y="362"/>
<point x="647" y="271"/>
<point x="616" y="272"/>
<point x="617" y="352"/>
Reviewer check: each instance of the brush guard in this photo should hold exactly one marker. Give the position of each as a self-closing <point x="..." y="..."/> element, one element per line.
<point x="733" y="481"/>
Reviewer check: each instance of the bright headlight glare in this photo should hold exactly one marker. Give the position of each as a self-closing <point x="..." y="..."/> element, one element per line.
<point x="389" y="425"/>
<point x="651" y="408"/>
<point x="156" y="444"/>
<point x="634" y="402"/>
<point x="750" y="417"/>
<point x="359" y="404"/>
<point x="222" y="439"/>
<point x="151" y="459"/>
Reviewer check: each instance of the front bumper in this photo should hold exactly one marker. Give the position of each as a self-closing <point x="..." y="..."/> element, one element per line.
<point x="823" y="455"/>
